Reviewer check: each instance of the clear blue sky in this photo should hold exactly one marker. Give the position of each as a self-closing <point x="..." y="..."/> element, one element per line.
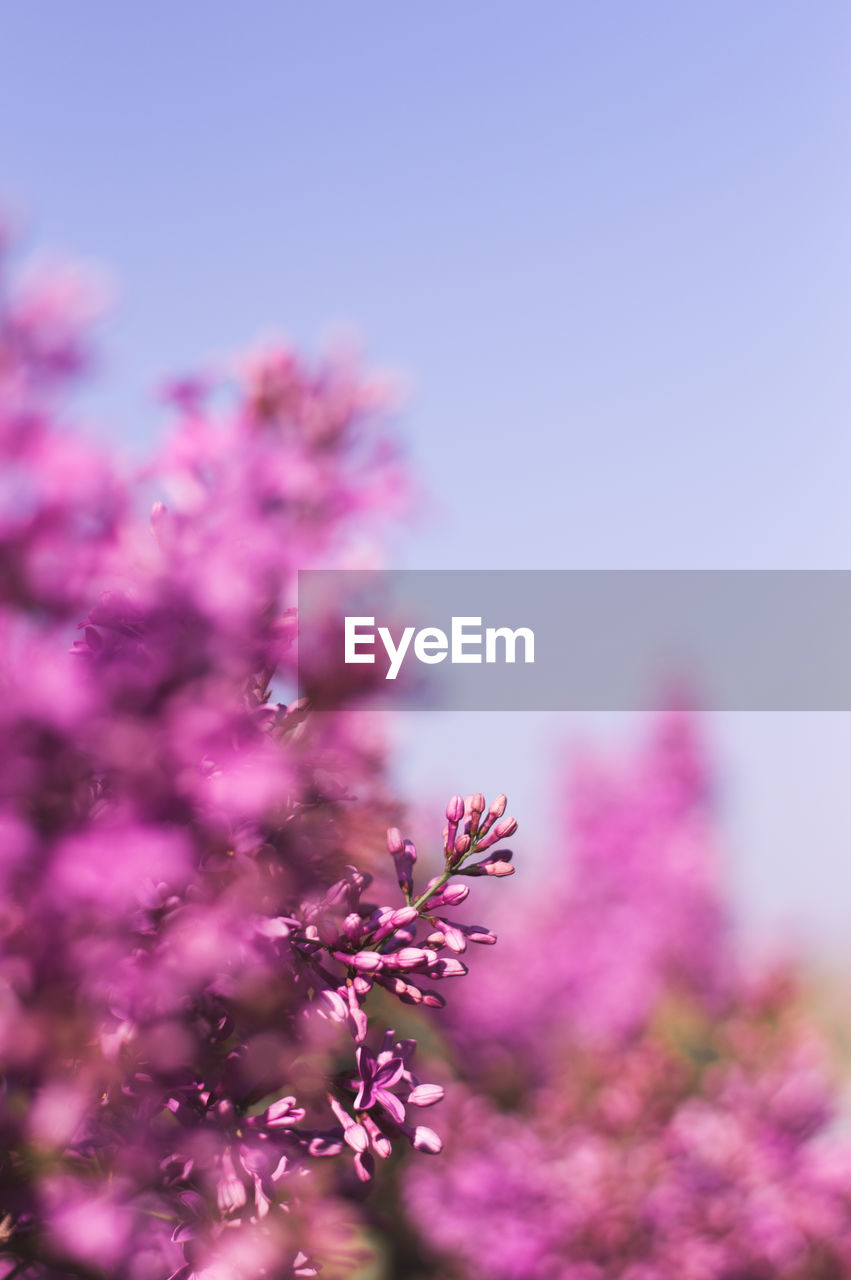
<point x="608" y="244"/>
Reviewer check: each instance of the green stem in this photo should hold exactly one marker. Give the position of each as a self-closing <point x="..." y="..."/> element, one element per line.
<point x="435" y="888"/>
<point x="419" y="903"/>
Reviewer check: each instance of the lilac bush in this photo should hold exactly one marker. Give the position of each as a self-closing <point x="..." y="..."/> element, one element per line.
<point x="640" y="1104"/>
<point x="188" y="943"/>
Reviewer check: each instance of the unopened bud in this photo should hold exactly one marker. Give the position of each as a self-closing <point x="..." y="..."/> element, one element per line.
<point x="353" y="926"/>
<point x="380" y="1142"/>
<point x="454" y="814"/>
<point x="447" y="967"/>
<point x="454" y="938"/>
<point x="425" y="1139"/>
<point x="336" y="1007"/>
<point x="366" y="961"/>
<point x="425" y="1095"/>
<point x="452" y="895"/>
<point x="496" y="810"/>
<point x="405" y="915"/>
<point x="455" y="809"/>
<point x="356" y="1136"/>
<point x="410" y="957"/>
<point x="475" y="809"/>
<point x="505" y="827"/>
<point x="476" y="933"/>
<point x="488" y="866"/>
<point x="395" y="843"/>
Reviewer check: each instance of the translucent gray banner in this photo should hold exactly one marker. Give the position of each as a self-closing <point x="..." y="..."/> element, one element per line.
<point x="619" y="640"/>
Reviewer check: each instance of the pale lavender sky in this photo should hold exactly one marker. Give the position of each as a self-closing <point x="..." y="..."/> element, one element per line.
<point x="607" y="243"/>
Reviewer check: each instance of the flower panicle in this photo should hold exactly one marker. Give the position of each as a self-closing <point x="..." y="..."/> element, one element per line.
<point x="380" y="945"/>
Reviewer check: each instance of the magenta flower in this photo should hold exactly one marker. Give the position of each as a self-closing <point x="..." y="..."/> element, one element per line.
<point x="376" y="1077"/>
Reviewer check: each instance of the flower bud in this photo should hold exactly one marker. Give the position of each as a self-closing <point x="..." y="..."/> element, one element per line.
<point x="284" y="1112"/>
<point x="406" y="991"/>
<point x="337" y="1009"/>
<point x="425" y="1095"/>
<point x="380" y="1142"/>
<point x="488" y="866"/>
<point x="455" y="809"/>
<point x="496" y="810"/>
<point x="454" y="814"/>
<point x="425" y="1139"/>
<point x="405" y="915"/>
<point x="356" y="1136"/>
<point x="323" y="1146"/>
<point x="410" y="957"/>
<point x="451" y="896"/>
<point x="395" y="843"/>
<point x="447" y="967"/>
<point x="356" y="1013"/>
<point x="353" y="926"/>
<point x="505" y="827"/>
<point x="365" y="961"/>
<point x="476" y="933"/>
<point x="404" y="857"/>
<point x="454" y="938"/>
<point x="498" y="868"/>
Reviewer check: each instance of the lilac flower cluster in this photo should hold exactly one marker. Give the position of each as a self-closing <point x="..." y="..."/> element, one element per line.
<point x="183" y="854"/>
<point x="684" y="1125"/>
